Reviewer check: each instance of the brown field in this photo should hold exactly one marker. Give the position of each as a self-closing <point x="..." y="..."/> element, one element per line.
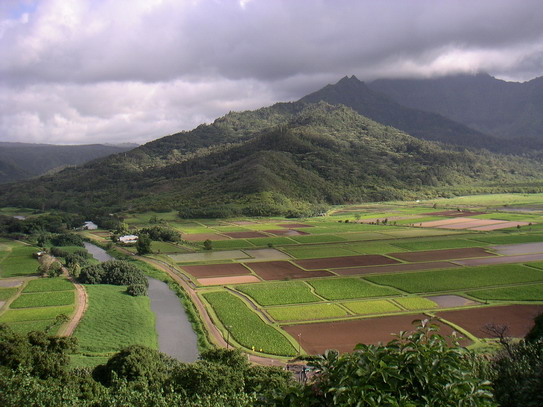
<point x="519" y="318"/>
<point x="502" y="260"/>
<point x="503" y="225"/>
<point x="228" y="280"/>
<point x="395" y="268"/>
<point x="216" y="270"/>
<point x="453" y="213"/>
<point x="244" y="235"/>
<point x="522" y="248"/>
<point x="295" y="225"/>
<point x="474" y="224"/>
<point x="449" y="301"/>
<point x="200" y="237"/>
<point x="345" y="335"/>
<point x="244" y="222"/>
<point x="286" y="232"/>
<point x="348" y="261"/>
<point x="447" y="254"/>
<point x="280" y="270"/>
<point x="437" y="223"/>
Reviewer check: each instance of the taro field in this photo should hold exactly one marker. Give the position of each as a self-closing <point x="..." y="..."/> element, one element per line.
<point x="357" y="274"/>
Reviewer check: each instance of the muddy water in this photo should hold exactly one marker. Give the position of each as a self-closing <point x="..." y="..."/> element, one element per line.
<point x="175" y="335"/>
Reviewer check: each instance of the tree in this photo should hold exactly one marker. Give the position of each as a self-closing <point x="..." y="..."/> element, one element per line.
<point x="208" y="245"/>
<point x="143" y="245"/>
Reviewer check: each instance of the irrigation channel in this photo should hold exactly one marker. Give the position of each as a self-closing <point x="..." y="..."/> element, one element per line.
<point x="175" y="335"/>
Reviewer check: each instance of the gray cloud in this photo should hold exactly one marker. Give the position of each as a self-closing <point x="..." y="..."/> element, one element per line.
<point x="87" y="70"/>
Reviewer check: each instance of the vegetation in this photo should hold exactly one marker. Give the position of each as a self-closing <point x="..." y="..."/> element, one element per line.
<point x="461" y="278"/>
<point x="306" y="312"/>
<point x="246" y="326"/>
<point x="346" y="288"/>
<point x="288" y="292"/>
<point x="371" y="306"/>
<point x="525" y="292"/>
<point x="116" y="272"/>
<point x="44" y="299"/>
<point x="48" y="284"/>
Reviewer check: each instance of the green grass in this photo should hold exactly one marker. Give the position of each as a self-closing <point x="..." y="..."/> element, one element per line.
<point x="24" y="327"/>
<point x="275" y="241"/>
<point x="231" y="244"/>
<point x="318" y="251"/>
<point x="48" y="284"/>
<point x="35" y="314"/>
<point x="19" y="262"/>
<point x="246" y="327"/>
<point x="6" y="293"/>
<point x="532" y="292"/>
<point x="374" y="248"/>
<point x="165" y="247"/>
<point x="114" y="320"/>
<point x="371" y="307"/>
<point x="437" y="244"/>
<point x="459" y="278"/>
<point x="364" y="236"/>
<point x="414" y="303"/>
<point x="279" y="293"/>
<point x="347" y="288"/>
<point x="46" y="299"/>
<point x="511" y="238"/>
<point x="419" y="232"/>
<point x="306" y="312"/>
<point x="318" y="239"/>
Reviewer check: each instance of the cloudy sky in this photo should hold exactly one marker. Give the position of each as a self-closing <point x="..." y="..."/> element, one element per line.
<point x="95" y="71"/>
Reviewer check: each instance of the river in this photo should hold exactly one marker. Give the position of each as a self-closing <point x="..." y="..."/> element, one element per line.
<point x="175" y="335"/>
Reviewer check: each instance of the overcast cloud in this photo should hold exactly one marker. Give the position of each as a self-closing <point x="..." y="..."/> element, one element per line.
<point x="94" y="71"/>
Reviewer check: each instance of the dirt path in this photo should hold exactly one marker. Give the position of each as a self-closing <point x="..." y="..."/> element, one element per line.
<point x="215" y="335"/>
<point x="82" y="302"/>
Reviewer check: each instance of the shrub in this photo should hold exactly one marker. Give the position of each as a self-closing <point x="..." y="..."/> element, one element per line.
<point x="136" y="290"/>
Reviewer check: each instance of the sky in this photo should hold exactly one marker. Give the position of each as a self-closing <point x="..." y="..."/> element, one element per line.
<point x="117" y="71"/>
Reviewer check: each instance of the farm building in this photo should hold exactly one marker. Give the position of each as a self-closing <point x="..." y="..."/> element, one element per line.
<point x="89" y="225"/>
<point x="128" y="239"/>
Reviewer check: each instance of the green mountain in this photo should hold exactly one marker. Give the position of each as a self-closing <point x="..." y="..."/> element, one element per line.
<point x="289" y="159"/>
<point x="510" y="110"/>
<point x="418" y="123"/>
<point x="20" y="161"/>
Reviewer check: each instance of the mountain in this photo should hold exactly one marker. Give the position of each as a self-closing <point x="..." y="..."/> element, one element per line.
<point x="418" y="123"/>
<point x="20" y="161"/>
<point x="510" y="110"/>
<point x="287" y="159"/>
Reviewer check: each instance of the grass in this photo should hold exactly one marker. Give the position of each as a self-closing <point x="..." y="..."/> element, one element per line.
<point x="114" y="320"/>
<point x="318" y="251"/>
<point x="415" y="303"/>
<point x="45" y="299"/>
<point x="371" y="307"/>
<point x="532" y="292"/>
<point x="347" y="288"/>
<point x="279" y="293"/>
<point x="246" y="327"/>
<point x="306" y="312"/>
<point x="374" y="248"/>
<point x="231" y="244"/>
<point x="318" y="238"/>
<point x="275" y="241"/>
<point x="7" y="293"/>
<point x="511" y="238"/>
<point x="436" y="244"/>
<point x="27" y="326"/>
<point x="48" y="284"/>
<point x="19" y="262"/>
<point x="460" y="278"/>
<point x="35" y="314"/>
<point x="166" y="247"/>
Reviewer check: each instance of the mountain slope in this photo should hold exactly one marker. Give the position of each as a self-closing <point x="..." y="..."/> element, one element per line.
<point x="506" y="109"/>
<point x="22" y="160"/>
<point x="421" y="124"/>
<point x="316" y="154"/>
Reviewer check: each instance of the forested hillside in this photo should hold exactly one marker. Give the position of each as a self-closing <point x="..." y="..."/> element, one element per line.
<point x="22" y="160"/>
<point x="289" y="159"/>
<point x="510" y="110"/>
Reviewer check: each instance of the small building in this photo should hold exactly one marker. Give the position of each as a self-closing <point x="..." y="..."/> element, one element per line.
<point x="88" y="225"/>
<point x="128" y="239"/>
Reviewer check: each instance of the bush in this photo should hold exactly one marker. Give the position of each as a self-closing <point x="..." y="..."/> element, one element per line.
<point x="92" y="274"/>
<point x="116" y="272"/>
<point x="136" y="290"/>
<point x="67" y="239"/>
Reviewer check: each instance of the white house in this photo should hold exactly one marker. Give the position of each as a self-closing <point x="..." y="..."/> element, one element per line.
<point x="89" y="225"/>
<point x="128" y="239"/>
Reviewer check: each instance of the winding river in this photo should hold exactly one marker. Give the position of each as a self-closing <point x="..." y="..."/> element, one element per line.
<point x="175" y="335"/>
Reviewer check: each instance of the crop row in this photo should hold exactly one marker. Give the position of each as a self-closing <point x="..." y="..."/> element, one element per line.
<point x="246" y="327"/>
<point x="45" y="299"/>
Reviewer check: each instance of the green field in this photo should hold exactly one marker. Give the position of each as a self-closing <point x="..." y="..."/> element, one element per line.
<point x="27" y="326"/>
<point x="318" y="238"/>
<point x="45" y="299"/>
<point x="347" y="288"/>
<point x="414" y="303"/>
<point x="114" y="320"/>
<point x="48" y="284"/>
<point x="35" y="314"/>
<point x="371" y="307"/>
<point x="246" y="327"/>
<point x="436" y="244"/>
<point x="459" y="278"/>
<point x="280" y="293"/>
<point x="531" y="292"/>
<point x="19" y="262"/>
<point x="306" y="312"/>
<point x="7" y="293"/>
<point x="318" y="251"/>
